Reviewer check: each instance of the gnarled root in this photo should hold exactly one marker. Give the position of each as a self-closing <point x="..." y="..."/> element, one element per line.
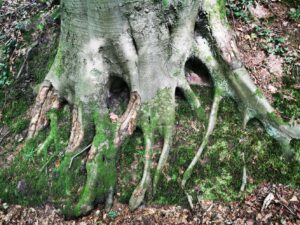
<point x="101" y="161"/>
<point x="46" y="100"/>
<point x="127" y="123"/>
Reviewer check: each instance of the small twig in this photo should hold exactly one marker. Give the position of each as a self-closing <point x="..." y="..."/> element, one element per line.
<point x="25" y="59"/>
<point x="288" y="208"/>
<point x="4" y="136"/>
<point x="47" y="163"/>
<point x="79" y="153"/>
<point x="190" y="200"/>
<point x="6" y="14"/>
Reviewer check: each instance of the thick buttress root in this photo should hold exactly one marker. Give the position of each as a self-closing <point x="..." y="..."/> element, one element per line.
<point x="101" y="161"/>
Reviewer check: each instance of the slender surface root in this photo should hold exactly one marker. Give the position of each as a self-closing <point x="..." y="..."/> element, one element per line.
<point x="163" y="157"/>
<point x="211" y="124"/>
<point x="139" y="193"/>
<point x="194" y="102"/>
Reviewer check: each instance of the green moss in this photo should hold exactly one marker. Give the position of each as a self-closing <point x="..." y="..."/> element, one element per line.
<point x="14" y="112"/>
<point x="59" y="66"/>
<point x="20" y="125"/>
<point x="31" y="179"/>
<point x="273" y="117"/>
<point x="165" y="3"/>
<point x="258" y="93"/>
<point x="221" y="8"/>
<point x="219" y="175"/>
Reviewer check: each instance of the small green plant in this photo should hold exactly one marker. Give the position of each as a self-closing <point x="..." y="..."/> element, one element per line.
<point x="238" y="9"/>
<point x="113" y="214"/>
<point x="271" y="44"/>
<point x="294" y="14"/>
<point x="4" y="68"/>
<point x="40" y="27"/>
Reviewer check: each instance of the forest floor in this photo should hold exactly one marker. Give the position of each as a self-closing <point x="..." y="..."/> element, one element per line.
<point x="268" y="36"/>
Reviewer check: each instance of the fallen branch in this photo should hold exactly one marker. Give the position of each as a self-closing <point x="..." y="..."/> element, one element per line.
<point x="25" y="59"/>
<point x="4" y="136"/>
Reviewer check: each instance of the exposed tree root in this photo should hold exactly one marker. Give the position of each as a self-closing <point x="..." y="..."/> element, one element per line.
<point x="211" y="124"/>
<point x="52" y="137"/>
<point x="146" y="55"/>
<point x="164" y="156"/>
<point x="47" y="99"/>
<point x="127" y="123"/>
<point x="77" y="133"/>
<point x="138" y="194"/>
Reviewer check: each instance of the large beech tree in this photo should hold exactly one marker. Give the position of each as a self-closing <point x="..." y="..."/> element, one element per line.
<point x="147" y="44"/>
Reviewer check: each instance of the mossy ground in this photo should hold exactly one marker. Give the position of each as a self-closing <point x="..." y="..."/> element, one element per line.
<point x="30" y="178"/>
<point x="218" y="176"/>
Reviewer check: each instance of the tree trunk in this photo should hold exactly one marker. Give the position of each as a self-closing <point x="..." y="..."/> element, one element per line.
<point x="147" y="45"/>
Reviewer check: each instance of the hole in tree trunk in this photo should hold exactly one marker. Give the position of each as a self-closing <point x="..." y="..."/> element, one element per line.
<point x="179" y="94"/>
<point x="118" y="96"/>
<point x="197" y="73"/>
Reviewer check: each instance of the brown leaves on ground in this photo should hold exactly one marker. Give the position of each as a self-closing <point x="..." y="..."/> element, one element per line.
<point x="284" y="208"/>
<point x="268" y="45"/>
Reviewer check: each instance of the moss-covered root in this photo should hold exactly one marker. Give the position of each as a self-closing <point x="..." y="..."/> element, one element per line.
<point x="100" y="166"/>
<point x="46" y="99"/>
<point x="138" y="194"/>
<point x="164" y="156"/>
<point x="194" y="101"/>
<point x="52" y="137"/>
<point x="80" y="141"/>
<point x="210" y="128"/>
<point x="235" y="82"/>
<point x="156" y="116"/>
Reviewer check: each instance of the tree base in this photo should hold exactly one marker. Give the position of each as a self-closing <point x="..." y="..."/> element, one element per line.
<point x="152" y="59"/>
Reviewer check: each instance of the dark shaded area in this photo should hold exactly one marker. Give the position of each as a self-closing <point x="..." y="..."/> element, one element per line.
<point x="196" y="67"/>
<point x="118" y="96"/>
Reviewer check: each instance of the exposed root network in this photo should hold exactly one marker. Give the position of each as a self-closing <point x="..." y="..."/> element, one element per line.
<point x="151" y="59"/>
